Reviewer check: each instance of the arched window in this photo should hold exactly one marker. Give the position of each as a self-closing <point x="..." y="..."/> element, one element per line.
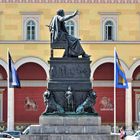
<point x="109" y="30"/>
<point x="31" y="26"/>
<point x="31" y="30"/>
<point x="70" y="28"/>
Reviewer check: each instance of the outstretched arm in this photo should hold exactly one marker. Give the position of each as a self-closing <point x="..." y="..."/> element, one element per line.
<point x="67" y="17"/>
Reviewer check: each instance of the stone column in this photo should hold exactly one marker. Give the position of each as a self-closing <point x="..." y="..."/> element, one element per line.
<point x="128" y="106"/>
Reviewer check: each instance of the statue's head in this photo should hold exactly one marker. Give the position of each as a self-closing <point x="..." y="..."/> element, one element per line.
<point x="60" y="12"/>
<point x="92" y="96"/>
<point x="69" y="88"/>
<point x="47" y="94"/>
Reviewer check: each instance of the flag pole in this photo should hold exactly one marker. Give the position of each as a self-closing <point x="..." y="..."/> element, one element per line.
<point x="114" y="90"/>
<point x="10" y="100"/>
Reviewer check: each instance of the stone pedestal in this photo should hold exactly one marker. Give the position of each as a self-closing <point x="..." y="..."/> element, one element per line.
<point x="69" y="72"/>
<point x="69" y="128"/>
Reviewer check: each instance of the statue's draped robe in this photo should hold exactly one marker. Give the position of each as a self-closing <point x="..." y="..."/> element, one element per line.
<point x="59" y="33"/>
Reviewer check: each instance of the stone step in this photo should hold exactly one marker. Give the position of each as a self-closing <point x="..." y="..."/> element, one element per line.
<point x="75" y="120"/>
<point x="69" y="137"/>
<point x="34" y="129"/>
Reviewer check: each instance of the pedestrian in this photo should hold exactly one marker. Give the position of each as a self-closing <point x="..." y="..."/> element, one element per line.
<point x="122" y="133"/>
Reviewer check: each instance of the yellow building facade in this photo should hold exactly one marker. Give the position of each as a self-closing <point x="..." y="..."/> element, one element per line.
<point x="89" y="24"/>
<point x="92" y="28"/>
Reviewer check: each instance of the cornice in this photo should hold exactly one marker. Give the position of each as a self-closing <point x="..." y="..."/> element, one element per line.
<point x="43" y="83"/>
<point x="23" y="42"/>
<point x="109" y="13"/>
<point x="74" y="1"/>
<point x="82" y="42"/>
<point x="27" y="83"/>
<point x="110" y="42"/>
<point x="30" y="13"/>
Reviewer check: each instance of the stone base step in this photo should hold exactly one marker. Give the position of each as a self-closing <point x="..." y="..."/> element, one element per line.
<point x="43" y="129"/>
<point x="69" y="137"/>
<point x="77" y="120"/>
<point x="69" y="127"/>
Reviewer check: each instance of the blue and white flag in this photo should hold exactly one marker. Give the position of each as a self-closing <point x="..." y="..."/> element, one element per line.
<point x="13" y="76"/>
<point x="121" y="81"/>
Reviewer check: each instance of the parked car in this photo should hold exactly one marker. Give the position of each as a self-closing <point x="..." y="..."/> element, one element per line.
<point x="14" y="133"/>
<point x="26" y="131"/>
<point x="135" y="136"/>
<point x="6" y="136"/>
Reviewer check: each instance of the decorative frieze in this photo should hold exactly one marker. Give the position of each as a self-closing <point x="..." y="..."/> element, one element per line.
<point x="73" y="1"/>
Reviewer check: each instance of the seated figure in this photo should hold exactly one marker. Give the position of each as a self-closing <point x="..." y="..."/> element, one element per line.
<point x="60" y="34"/>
